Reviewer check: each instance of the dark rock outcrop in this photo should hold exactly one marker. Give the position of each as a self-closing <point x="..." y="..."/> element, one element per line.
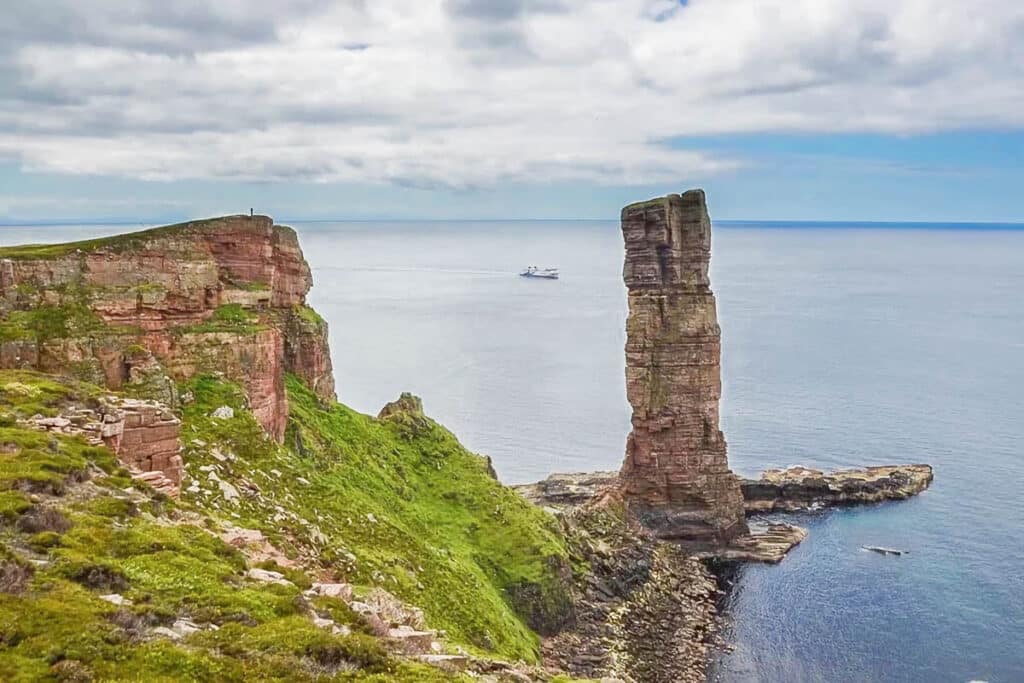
<point x="561" y="491"/>
<point x="643" y="612"/>
<point x="802" y="488"/>
<point x="676" y="476"/>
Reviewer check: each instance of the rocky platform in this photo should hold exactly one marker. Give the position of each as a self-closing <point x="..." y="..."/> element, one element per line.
<point x="793" y="489"/>
<point x="800" y="488"/>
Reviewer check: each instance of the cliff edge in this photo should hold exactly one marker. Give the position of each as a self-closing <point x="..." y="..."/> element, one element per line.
<point x="144" y="311"/>
<point x="304" y="541"/>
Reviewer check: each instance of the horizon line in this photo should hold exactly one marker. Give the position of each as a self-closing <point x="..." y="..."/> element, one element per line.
<point x="771" y="223"/>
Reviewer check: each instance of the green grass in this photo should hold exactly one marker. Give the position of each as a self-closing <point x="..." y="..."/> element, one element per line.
<point x="117" y="243"/>
<point x="399" y="504"/>
<point x="648" y="203"/>
<point x="233" y="318"/>
<point x="309" y="315"/>
<point x="36" y="461"/>
<point x="26" y="392"/>
<point x="46" y="322"/>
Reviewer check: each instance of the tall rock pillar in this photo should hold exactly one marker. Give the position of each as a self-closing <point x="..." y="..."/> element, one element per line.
<point x="676" y="475"/>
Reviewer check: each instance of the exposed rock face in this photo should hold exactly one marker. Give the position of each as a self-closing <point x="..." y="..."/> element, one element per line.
<point x="144" y="435"/>
<point x="801" y="488"/>
<point x="560" y="491"/>
<point x="676" y="475"/>
<point x="645" y="610"/>
<point x="140" y="312"/>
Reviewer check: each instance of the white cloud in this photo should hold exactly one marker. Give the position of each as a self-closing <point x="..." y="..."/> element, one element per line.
<point x="479" y="92"/>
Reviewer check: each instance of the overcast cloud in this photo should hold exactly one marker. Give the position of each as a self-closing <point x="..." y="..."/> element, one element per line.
<point x="465" y="93"/>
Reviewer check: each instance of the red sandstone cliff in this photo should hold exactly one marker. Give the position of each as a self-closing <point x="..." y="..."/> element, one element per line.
<point x="140" y="312"/>
<point x="676" y="475"/>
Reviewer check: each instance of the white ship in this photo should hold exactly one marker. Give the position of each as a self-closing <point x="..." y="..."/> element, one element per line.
<point x="546" y="273"/>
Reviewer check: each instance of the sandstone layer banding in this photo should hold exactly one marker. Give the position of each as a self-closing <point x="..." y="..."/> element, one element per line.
<point x="148" y="309"/>
<point x="676" y="475"/>
<point x="676" y="479"/>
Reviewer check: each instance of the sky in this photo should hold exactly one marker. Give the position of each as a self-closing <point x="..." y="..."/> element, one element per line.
<point x="882" y="110"/>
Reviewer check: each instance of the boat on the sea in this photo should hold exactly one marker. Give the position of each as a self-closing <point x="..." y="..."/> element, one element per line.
<point x="546" y="273"/>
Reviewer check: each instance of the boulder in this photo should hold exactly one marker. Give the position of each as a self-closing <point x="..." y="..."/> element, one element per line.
<point x="267" y="576"/>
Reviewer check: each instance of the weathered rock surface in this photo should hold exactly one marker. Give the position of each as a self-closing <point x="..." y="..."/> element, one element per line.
<point x="790" y="490"/>
<point x="140" y="312"/>
<point x="560" y="491"/>
<point x="676" y="476"/>
<point x="766" y="542"/>
<point x="802" y="488"/>
<point x="145" y="436"/>
<point x="644" y="612"/>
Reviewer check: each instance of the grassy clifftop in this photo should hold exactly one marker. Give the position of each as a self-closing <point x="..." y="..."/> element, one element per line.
<point x="95" y="569"/>
<point x="117" y="243"/>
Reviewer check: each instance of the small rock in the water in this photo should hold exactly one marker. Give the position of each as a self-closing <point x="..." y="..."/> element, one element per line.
<point x="884" y="551"/>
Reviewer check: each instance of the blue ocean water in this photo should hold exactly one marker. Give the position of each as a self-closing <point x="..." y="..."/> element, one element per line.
<point x="842" y="346"/>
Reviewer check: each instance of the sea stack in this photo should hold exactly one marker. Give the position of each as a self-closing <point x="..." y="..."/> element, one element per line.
<point x="676" y="477"/>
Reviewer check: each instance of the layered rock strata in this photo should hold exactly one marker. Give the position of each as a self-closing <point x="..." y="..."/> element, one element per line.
<point x="144" y="311"/>
<point x="801" y="488"/>
<point x="144" y="435"/>
<point x="676" y="475"/>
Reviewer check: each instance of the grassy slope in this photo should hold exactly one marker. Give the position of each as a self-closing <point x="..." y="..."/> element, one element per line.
<point x="395" y="503"/>
<point x="446" y="537"/>
<point x="387" y="503"/>
<point x="71" y="532"/>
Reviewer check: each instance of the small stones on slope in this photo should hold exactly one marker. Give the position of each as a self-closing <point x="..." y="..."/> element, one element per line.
<point x="254" y="545"/>
<point x="181" y="628"/>
<point x="229" y="492"/>
<point x="116" y="599"/>
<point x="412" y="641"/>
<point x="267" y="576"/>
<point x="332" y="590"/>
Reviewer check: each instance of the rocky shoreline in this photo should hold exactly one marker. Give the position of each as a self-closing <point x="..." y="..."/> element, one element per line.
<point x="644" y="609"/>
<point x="801" y="488"/>
<point x="793" y="489"/>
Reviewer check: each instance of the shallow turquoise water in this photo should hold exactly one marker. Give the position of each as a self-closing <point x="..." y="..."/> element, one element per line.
<point x="841" y="347"/>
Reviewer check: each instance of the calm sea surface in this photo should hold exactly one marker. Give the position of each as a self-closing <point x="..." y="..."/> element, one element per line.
<point x="842" y="347"/>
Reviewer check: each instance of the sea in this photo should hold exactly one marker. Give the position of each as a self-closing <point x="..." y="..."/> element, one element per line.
<point x="843" y="345"/>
